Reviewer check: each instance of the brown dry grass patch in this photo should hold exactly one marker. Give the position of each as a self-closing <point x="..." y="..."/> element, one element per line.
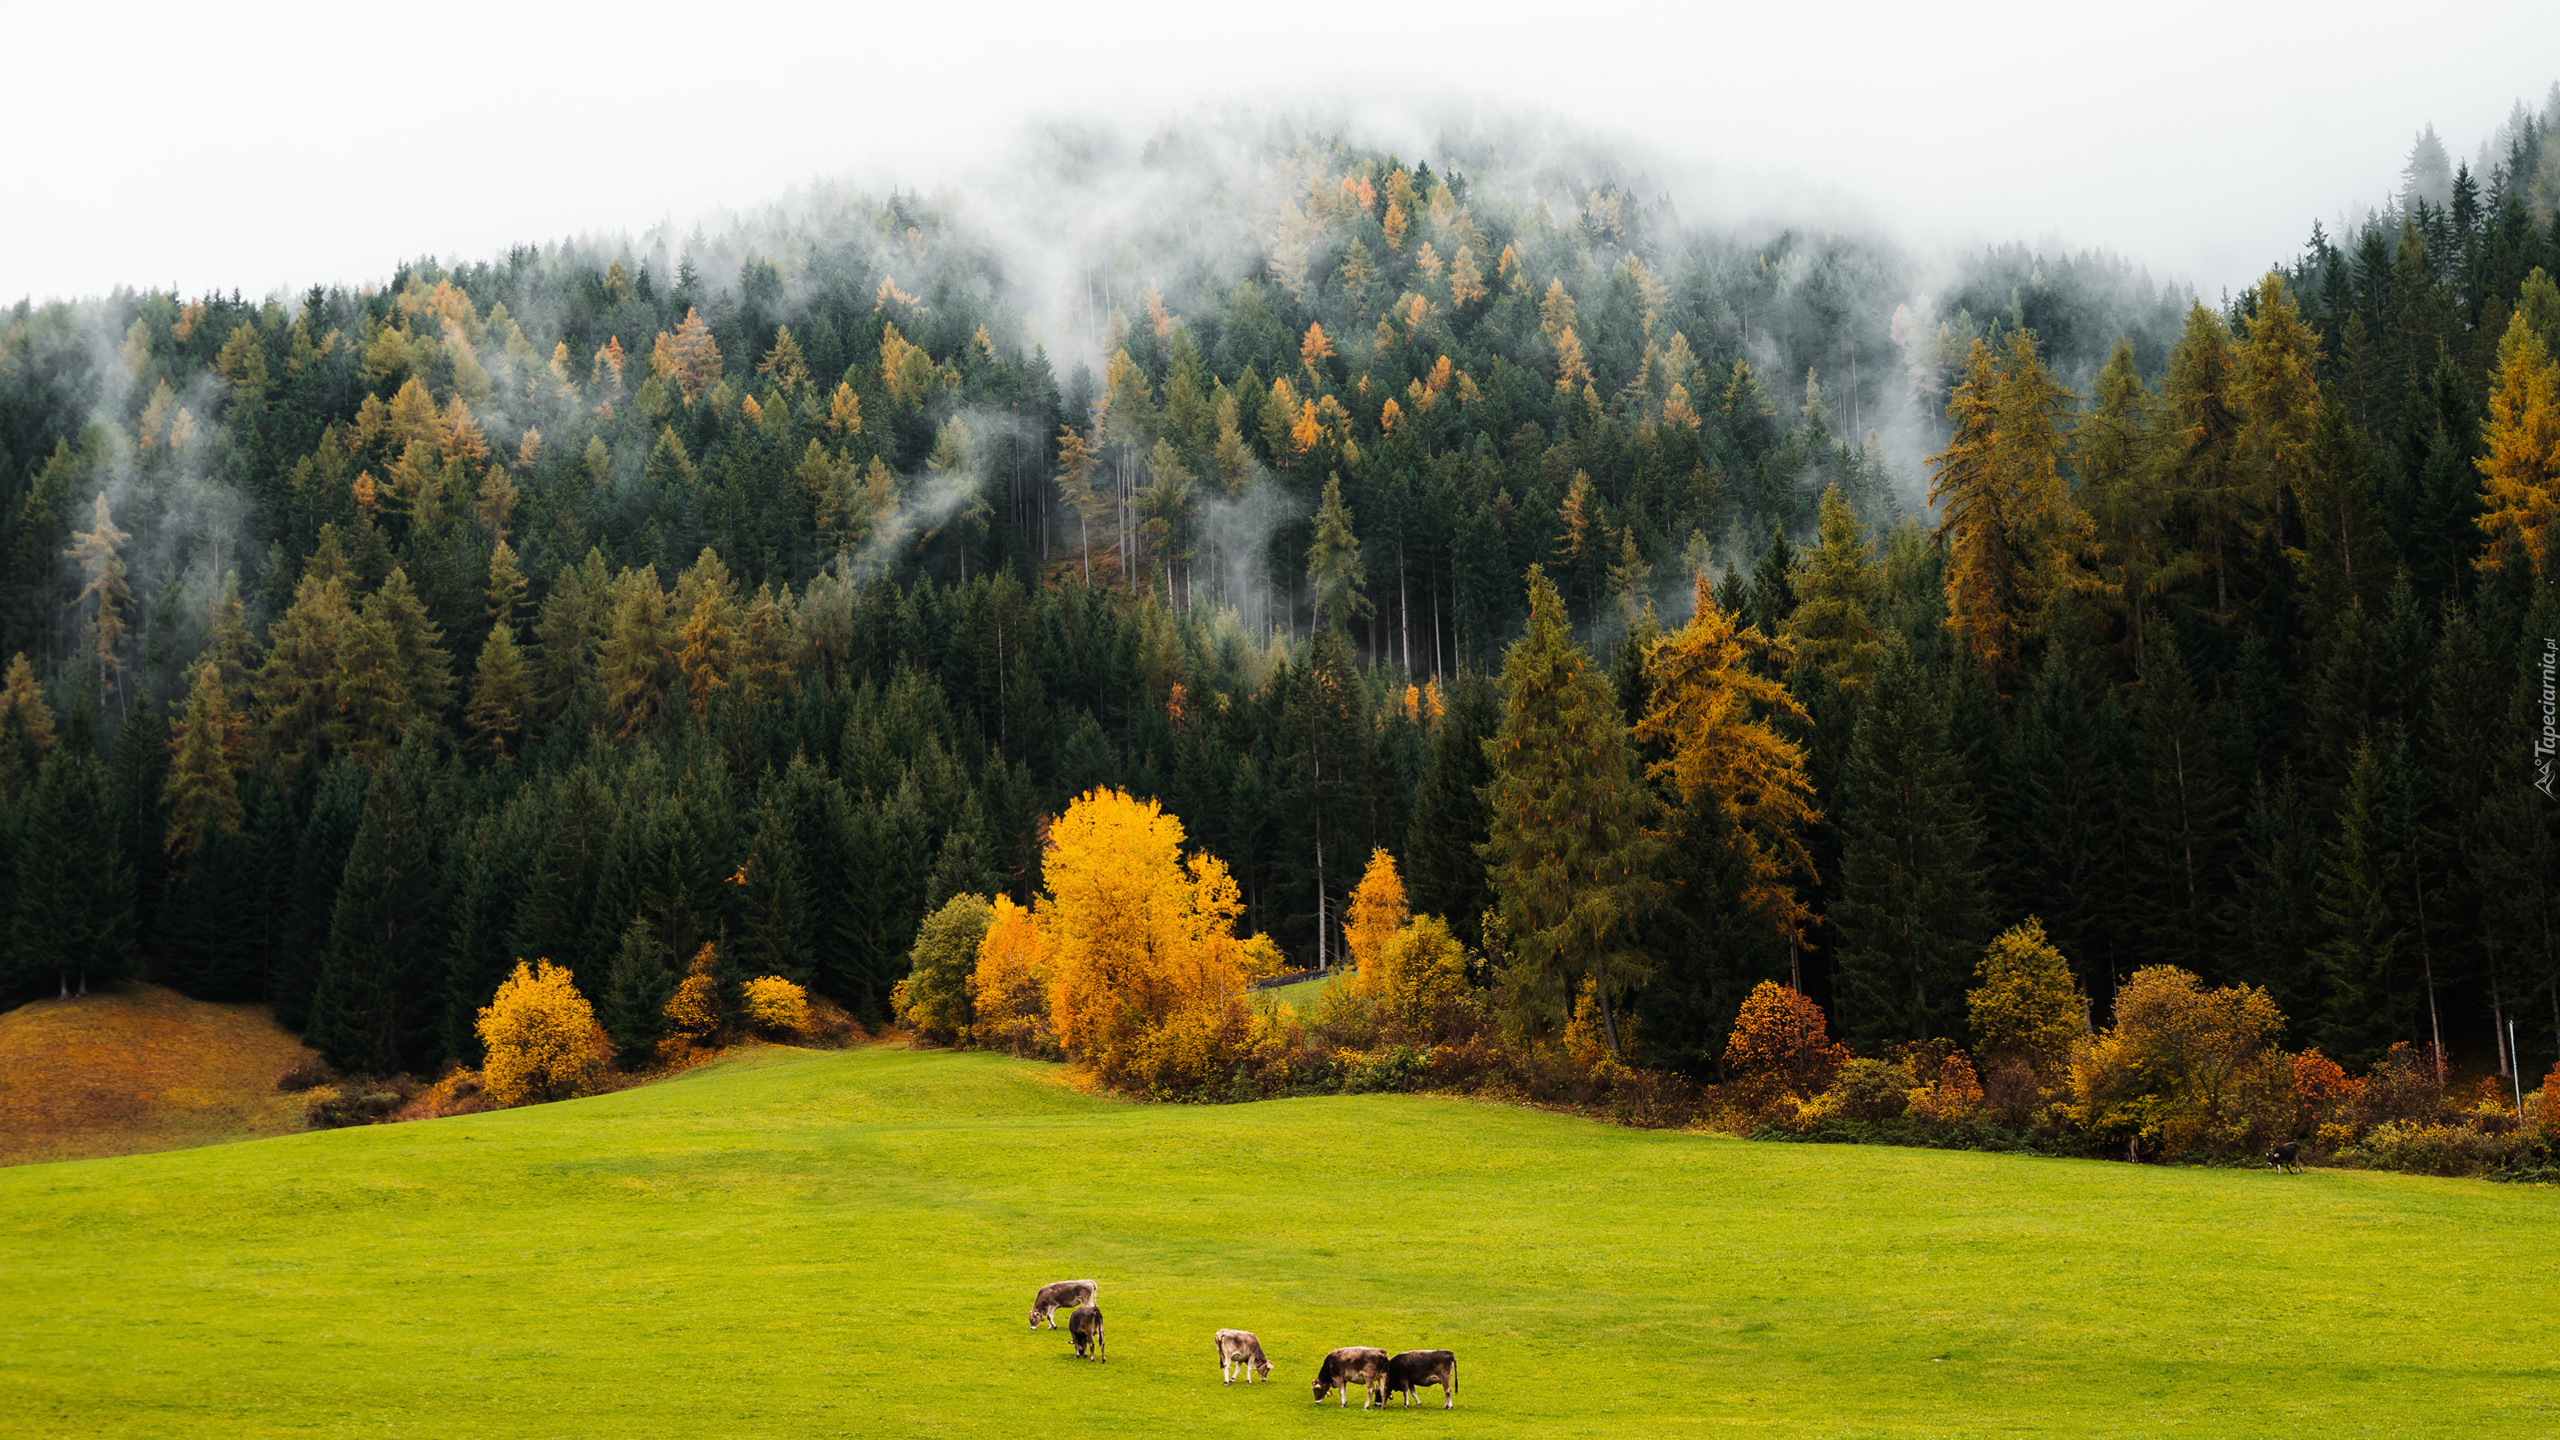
<point x="141" y="1069"/>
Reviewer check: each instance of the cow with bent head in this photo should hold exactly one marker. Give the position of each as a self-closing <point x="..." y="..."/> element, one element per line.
<point x="1060" y="1295"/>
<point x="1084" y="1327"/>
<point x="1362" y="1365"/>
<point x="1240" y="1354"/>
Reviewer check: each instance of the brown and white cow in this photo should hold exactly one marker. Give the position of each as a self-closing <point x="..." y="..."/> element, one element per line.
<point x="1060" y="1295"/>
<point x="1240" y="1354"/>
<point x="1414" y="1369"/>
<point x="1084" y="1326"/>
<point x="1362" y="1365"/>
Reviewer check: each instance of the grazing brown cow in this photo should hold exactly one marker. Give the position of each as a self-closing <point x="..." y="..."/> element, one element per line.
<point x="1060" y="1295"/>
<point x="1084" y="1327"/>
<point x="1363" y="1365"/>
<point x="1414" y="1369"/>
<point x="1240" y="1354"/>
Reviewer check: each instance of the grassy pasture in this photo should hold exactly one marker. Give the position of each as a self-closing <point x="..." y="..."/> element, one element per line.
<point x="846" y="1244"/>
<point x="1305" y="993"/>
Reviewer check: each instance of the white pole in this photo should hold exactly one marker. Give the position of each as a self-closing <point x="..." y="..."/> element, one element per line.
<point x="2515" y="1070"/>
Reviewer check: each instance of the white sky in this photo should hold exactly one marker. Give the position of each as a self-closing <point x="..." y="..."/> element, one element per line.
<point x="270" y="146"/>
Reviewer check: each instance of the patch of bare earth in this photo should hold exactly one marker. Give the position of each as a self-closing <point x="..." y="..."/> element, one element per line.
<point x="141" y="1069"/>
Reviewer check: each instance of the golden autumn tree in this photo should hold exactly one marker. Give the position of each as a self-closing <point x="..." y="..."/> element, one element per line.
<point x="2005" y="517"/>
<point x="1147" y="972"/>
<point x="1314" y="350"/>
<point x="26" y="726"/>
<point x="1715" y="709"/>
<point x="1376" y="912"/>
<point x="2028" y="1008"/>
<point x="99" y="550"/>
<point x="776" y="1006"/>
<point x="541" y="1037"/>
<point x="2520" y="474"/>
<point x="1009" y="988"/>
<point x="689" y="359"/>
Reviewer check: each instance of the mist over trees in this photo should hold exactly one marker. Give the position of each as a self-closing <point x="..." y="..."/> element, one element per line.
<point x="769" y="589"/>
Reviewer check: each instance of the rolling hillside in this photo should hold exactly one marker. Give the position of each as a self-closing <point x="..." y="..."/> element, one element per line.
<point x="845" y="1244"/>
<point x="140" y="1069"/>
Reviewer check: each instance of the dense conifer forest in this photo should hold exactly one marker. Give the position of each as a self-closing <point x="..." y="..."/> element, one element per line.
<point x="768" y="589"/>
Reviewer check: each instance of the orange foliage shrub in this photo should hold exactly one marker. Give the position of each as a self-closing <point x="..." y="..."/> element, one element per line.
<point x="2323" y="1093"/>
<point x="1780" y="1043"/>
<point x="693" y="1012"/>
<point x="1955" y="1093"/>
<point x="1009" y="989"/>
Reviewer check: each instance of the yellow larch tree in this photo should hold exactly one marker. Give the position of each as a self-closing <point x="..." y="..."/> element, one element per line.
<point x="2005" y="520"/>
<point x="2520" y="474"/>
<point x="1377" y="911"/>
<point x="1716" y="710"/>
<point x="689" y="359"/>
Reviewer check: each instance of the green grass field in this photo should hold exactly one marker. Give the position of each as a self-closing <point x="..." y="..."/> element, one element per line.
<point x="846" y="1243"/>
<point x="1305" y="993"/>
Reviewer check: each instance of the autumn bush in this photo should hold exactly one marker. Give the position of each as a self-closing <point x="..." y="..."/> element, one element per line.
<point x="692" y="1015"/>
<point x="1953" y="1095"/>
<point x="2183" y="1069"/>
<point x="1870" y="1090"/>
<point x="1781" y="1047"/>
<point x="777" y="1007"/>
<point x="2405" y="1085"/>
<point x="1009" y="988"/>
<point x="541" y="1036"/>
<point x="1419" y="982"/>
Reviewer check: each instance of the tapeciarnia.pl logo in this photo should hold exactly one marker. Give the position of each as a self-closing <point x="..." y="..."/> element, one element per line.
<point x="2545" y="743"/>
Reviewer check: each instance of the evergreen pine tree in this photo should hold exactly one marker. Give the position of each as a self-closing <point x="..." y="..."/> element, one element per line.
<point x="1569" y="851"/>
<point x="1443" y="866"/>
<point x="635" y="998"/>
<point x="370" y="1012"/>
<point x="2182" y="811"/>
<point x="2359" y="956"/>
<point x="72" y="920"/>
<point x="1910" y="913"/>
<point x="319" y="865"/>
<point x="773" y="924"/>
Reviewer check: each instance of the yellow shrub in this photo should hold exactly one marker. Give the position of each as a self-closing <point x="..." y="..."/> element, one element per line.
<point x="1420" y="976"/>
<point x="1009" y="989"/>
<point x="775" y="1004"/>
<point x="541" y="1036"/>
<point x="693" y="1012"/>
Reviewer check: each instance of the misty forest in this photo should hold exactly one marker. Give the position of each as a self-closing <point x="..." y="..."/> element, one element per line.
<point x="1693" y="615"/>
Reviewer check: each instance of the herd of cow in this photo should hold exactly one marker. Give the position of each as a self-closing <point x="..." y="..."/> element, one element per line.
<point x="1381" y="1375"/>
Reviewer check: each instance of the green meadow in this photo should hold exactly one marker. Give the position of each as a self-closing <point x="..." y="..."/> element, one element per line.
<point x="846" y="1244"/>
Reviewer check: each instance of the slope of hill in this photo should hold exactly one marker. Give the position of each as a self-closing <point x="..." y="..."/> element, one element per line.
<point x="137" y="1070"/>
<point x="846" y="1243"/>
